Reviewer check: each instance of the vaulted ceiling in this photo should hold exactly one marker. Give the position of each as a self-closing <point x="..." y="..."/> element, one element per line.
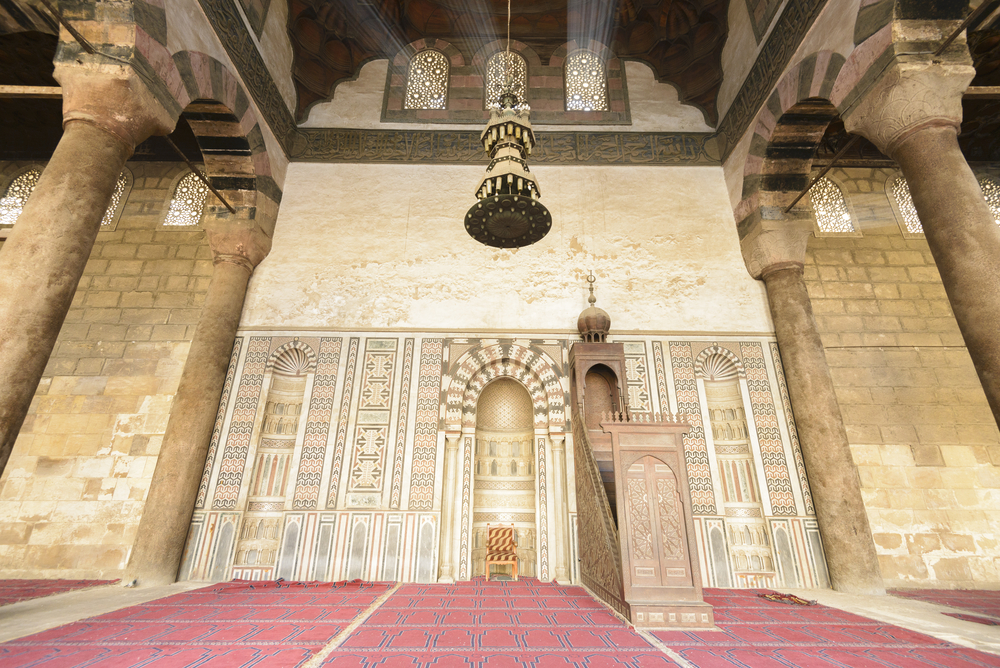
<point x="681" y="40"/>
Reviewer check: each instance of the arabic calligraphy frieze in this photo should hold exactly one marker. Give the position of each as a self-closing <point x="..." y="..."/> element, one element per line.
<point x="461" y="147"/>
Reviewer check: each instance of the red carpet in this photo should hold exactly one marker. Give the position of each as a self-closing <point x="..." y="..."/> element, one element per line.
<point x="236" y="624"/>
<point x="523" y="624"/>
<point x="12" y="591"/>
<point x="976" y="601"/>
<point x="759" y="633"/>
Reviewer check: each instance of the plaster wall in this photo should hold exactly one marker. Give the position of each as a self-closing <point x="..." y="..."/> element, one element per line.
<point x="922" y="434"/>
<point x="275" y="47"/>
<point x="73" y="491"/>
<point x="188" y="29"/>
<point x="383" y="246"/>
<point x="654" y="106"/>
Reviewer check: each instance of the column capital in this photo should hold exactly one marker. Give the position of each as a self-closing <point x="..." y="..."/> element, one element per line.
<point x="777" y="242"/>
<point x="242" y="242"/>
<point x="558" y="439"/>
<point x="115" y="99"/>
<point x="452" y="439"/>
<point x="912" y="93"/>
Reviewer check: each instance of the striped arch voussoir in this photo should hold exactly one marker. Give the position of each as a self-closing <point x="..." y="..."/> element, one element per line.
<point x="788" y="130"/>
<point x="229" y="135"/>
<point x="533" y="369"/>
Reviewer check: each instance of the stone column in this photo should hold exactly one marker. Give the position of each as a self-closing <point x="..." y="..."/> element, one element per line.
<point x="913" y="114"/>
<point x="446" y="572"/>
<point x="159" y="545"/>
<point x="560" y="514"/>
<point x="833" y="477"/>
<point x="774" y="251"/>
<point x="104" y="117"/>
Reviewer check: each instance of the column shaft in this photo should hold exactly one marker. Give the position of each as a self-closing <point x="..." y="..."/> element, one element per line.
<point x="964" y="240"/>
<point x="42" y="261"/>
<point x="446" y="573"/>
<point x="559" y="513"/>
<point x="159" y="546"/>
<point x="833" y="477"/>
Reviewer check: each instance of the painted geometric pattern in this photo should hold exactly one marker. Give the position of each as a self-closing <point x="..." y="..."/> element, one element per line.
<point x="800" y="466"/>
<point x="425" y="429"/>
<point x="375" y="400"/>
<point x="505" y="359"/>
<point x="404" y="408"/>
<point x="318" y="421"/>
<point x="345" y="407"/>
<point x="772" y="452"/>
<point x="543" y="521"/>
<point x="219" y="419"/>
<point x="661" y="377"/>
<point x="466" y="509"/>
<point x="234" y="456"/>
<point x="695" y="446"/>
<point x="636" y="376"/>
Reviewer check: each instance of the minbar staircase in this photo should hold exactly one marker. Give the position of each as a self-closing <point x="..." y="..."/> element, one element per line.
<point x="638" y="554"/>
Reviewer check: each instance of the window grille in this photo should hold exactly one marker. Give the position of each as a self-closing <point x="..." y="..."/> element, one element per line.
<point x="991" y="191"/>
<point x="496" y="76"/>
<point x="832" y="214"/>
<point x="427" y="81"/>
<point x="17" y="194"/>
<point x="901" y="193"/>
<point x="187" y="202"/>
<point x="586" y="83"/>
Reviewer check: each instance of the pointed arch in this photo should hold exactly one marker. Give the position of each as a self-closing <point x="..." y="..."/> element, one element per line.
<point x="534" y="369"/>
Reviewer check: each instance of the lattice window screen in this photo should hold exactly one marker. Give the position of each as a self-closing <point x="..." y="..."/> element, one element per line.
<point x="16" y="195"/>
<point x="496" y="76"/>
<point x="188" y="202"/>
<point x="427" y="81"/>
<point x="901" y="193"/>
<point x="586" y="83"/>
<point x="828" y="202"/>
<point x="991" y="191"/>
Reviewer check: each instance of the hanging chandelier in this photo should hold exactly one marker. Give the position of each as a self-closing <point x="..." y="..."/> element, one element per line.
<point x="508" y="214"/>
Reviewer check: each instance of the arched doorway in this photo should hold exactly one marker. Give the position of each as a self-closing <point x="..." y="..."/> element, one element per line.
<point x="504" y="472"/>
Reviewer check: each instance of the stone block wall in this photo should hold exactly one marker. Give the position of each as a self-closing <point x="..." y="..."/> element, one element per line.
<point x="73" y="491"/>
<point x="923" y="437"/>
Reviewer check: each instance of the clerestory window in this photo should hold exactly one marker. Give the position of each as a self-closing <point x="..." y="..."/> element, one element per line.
<point x="188" y="202"/>
<point x="427" y="81"/>
<point x="586" y="82"/>
<point x="499" y="67"/>
<point x="832" y="214"/>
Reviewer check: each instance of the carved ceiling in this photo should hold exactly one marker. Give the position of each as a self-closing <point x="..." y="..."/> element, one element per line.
<point x="681" y="40"/>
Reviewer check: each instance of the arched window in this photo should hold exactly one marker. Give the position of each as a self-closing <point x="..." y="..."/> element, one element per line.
<point x="586" y="82"/>
<point x="187" y="202"/>
<point x="427" y="81"/>
<point x="498" y="67"/>
<point x="16" y="195"/>
<point x="117" y="197"/>
<point x="991" y="191"/>
<point x="901" y="193"/>
<point x="832" y="214"/>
